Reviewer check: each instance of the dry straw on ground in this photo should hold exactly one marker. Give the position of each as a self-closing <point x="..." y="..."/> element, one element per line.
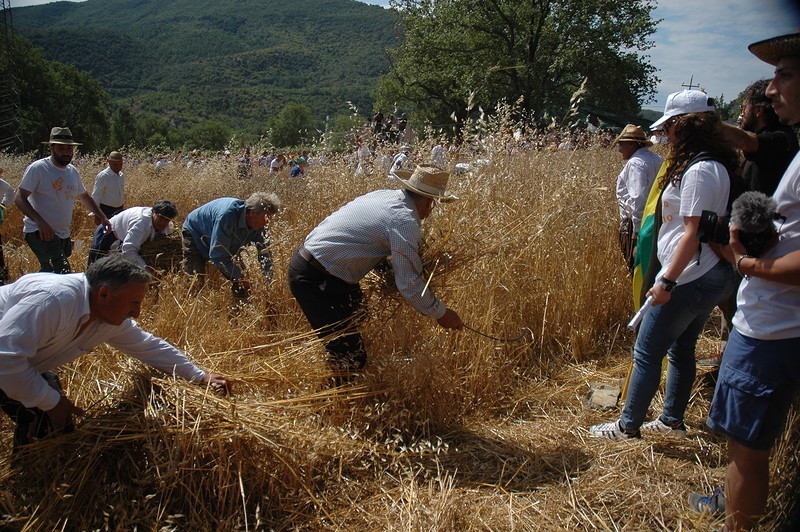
<point x="446" y="431"/>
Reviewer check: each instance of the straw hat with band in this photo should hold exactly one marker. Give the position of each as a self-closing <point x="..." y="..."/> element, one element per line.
<point x="773" y="50"/>
<point x="61" y="135"/>
<point x="633" y="133"/>
<point x="427" y="180"/>
<point x="114" y="156"/>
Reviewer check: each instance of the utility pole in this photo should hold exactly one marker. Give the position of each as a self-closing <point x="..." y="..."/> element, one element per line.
<point x="10" y="129"/>
<point x="691" y="85"/>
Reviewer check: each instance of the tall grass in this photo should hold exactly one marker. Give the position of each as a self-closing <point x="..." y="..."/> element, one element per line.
<point x="445" y="431"/>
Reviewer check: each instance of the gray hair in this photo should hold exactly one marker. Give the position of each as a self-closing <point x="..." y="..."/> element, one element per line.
<point x="263" y="203"/>
<point x="115" y="271"/>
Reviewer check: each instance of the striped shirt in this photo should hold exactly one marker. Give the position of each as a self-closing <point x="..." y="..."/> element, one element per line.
<point x="352" y="240"/>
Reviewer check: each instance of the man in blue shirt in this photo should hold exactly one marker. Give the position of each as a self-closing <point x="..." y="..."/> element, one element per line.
<point x="300" y="167"/>
<point x="217" y="232"/>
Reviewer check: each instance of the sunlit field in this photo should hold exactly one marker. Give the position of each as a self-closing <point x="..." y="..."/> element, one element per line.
<point x="445" y="431"/>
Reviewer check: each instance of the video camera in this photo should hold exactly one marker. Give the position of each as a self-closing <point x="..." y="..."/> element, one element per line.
<point x="753" y="213"/>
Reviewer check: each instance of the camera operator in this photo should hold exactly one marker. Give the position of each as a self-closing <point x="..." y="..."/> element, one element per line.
<point x="768" y="148"/>
<point x="760" y="371"/>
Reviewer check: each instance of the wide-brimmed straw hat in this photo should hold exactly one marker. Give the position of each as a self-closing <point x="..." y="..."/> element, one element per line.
<point x="683" y="103"/>
<point x="114" y="156"/>
<point x="633" y="133"/>
<point x="428" y="180"/>
<point x="61" y="135"/>
<point x="773" y="50"/>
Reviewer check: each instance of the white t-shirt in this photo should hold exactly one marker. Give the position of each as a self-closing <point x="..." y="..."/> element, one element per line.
<point x="399" y="161"/>
<point x="704" y="187"/>
<point x="6" y="193"/>
<point x="768" y="310"/>
<point x="437" y="155"/>
<point x="53" y="192"/>
<point x="44" y="316"/>
<point x="275" y="165"/>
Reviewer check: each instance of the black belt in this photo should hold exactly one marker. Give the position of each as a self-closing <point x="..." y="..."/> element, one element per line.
<point x="303" y="252"/>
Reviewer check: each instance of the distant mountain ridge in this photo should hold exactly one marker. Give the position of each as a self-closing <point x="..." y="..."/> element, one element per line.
<point x="237" y="61"/>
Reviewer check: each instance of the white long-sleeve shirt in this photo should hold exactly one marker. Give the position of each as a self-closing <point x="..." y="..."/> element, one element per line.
<point x="109" y="188"/>
<point x="133" y="227"/>
<point x="40" y="315"/>
<point x="352" y="240"/>
<point x="634" y="183"/>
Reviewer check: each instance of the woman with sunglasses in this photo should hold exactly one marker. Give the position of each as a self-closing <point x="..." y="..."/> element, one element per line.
<point x="692" y="279"/>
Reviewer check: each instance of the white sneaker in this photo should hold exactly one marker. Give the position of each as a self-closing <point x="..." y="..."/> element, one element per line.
<point x="612" y="431"/>
<point x="662" y="428"/>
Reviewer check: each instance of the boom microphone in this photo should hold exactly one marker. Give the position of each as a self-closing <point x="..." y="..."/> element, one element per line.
<point x="754" y="213"/>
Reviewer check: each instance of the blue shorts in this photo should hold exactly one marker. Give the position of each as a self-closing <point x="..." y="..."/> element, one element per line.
<point x="758" y="380"/>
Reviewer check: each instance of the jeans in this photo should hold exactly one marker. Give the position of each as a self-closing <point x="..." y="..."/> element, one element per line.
<point x="101" y="243"/>
<point x="672" y="329"/>
<point x="52" y="254"/>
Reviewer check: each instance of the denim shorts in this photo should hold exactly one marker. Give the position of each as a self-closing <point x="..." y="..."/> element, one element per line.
<point x="758" y="380"/>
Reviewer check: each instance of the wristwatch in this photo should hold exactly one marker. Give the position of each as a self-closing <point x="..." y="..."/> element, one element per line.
<point x="667" y="284"/>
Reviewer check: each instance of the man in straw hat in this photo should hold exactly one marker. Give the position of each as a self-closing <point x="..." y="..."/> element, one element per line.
<point x="324" y="272"/>
<point x="49" y="320"/>
<point x="760" y="371"/>
<point x="109" y="186"/>
<point x="633" y="185"/>
<point x="46" y="196"/>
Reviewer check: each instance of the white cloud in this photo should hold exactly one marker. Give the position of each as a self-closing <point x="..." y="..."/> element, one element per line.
<point x="708" y="40"/>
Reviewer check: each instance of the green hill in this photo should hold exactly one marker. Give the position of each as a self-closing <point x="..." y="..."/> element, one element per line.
<point x="237" y="61"/>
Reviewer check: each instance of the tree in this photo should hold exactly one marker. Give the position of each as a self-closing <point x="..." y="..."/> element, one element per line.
<point x="343" y="128"/>
<point x="152" y="130"/>
<point x="123" y="128"/>
<point x="462" y="55"/>
<point x="210" y="135"/>
<point x="55" y="94"/>
<point x="294" y="125"/>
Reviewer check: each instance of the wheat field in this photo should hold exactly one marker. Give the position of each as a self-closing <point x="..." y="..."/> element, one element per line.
<point x="446" y="431"/>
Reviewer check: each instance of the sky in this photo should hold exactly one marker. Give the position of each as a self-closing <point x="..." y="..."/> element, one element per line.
<point x="699" y="41"/>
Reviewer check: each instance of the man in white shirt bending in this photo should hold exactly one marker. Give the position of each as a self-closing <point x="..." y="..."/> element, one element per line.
<point x="49" y="320"/>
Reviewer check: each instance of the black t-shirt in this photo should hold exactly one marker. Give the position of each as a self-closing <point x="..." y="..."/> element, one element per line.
<point x="764" y="167"/>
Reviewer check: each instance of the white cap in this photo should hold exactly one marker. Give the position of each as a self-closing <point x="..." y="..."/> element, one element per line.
<point x="685" y="102"/>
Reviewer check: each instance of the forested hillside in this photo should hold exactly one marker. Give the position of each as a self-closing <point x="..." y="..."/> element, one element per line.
<point x="236" y="61"/>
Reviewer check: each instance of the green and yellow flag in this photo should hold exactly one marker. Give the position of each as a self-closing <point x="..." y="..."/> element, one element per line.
<point x="646" y="239"/>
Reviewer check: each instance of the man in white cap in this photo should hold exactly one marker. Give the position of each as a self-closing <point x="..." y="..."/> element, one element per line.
<point x="46" y="196"/>
<point x="324" y="272"/>
<point x="759" y="376"/>
<point x="109" y="186"/>
<point x="633" y="185"/>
